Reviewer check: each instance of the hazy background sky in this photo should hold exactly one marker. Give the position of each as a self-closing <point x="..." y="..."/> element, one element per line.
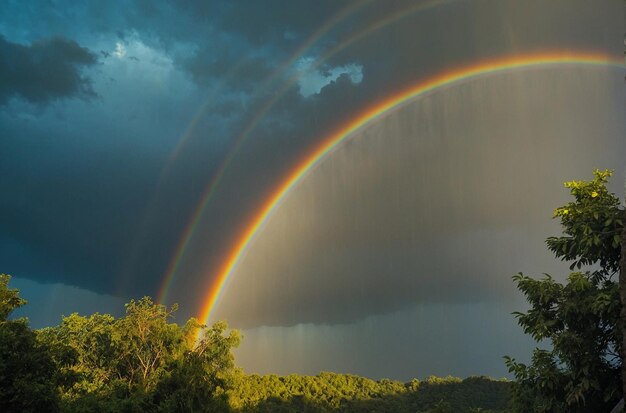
<point x="393" y="258"/>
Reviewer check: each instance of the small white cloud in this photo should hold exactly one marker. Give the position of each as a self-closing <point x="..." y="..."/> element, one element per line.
<point x="120" y="50"/>
<point x="311" y="80"/>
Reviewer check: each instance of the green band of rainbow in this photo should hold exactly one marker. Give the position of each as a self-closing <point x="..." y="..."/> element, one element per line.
<point x="375" y="113"/>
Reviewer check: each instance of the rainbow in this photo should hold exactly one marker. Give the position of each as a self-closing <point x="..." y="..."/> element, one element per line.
<point x="211" y="188"/>
<point x="373" y="114"/>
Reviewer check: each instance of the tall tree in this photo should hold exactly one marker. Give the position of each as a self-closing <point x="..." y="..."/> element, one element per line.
<point x="580" y="319"/>
<point x="147" y="342"/>
<point x="28" y="375"/>
<point x="199" y="380"/>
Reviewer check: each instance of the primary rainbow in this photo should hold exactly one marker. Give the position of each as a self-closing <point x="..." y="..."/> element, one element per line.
<point x="377" y="112"/>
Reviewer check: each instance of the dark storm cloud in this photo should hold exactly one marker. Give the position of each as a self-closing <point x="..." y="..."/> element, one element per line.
<point x="272" y="22"/>
<point x="74" y="214"/>
<point x="47" y="70"/>
<point x="82" y="176"/>
<point x="113" y="217"/>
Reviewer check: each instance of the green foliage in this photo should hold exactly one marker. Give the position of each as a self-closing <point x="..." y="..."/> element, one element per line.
<point x="141" y="362"/>
<point x="200" y="379"/>
<point x="592" y="224"/>
<point x="9" y="298"/>
<point x="343" y="393"/>
<point x="579" y="319"/>
<point x="28" y="375"/>
<point x="85" y="351"/>
<point x="441" y="407"/>
<point x="146" y="342"/>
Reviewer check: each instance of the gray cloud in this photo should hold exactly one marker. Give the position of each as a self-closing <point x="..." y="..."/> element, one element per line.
<point x="47" y="70"/>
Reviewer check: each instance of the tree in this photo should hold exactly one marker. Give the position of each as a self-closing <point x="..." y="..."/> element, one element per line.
<point x="28" y="375"/>
<point x="144" y="362"/>
<point x="592" y="225"/>
<point x="147" y="342"/>
<point x="199" y="380"/>
<point x="9" y="298"/>
<point x="84" y="350"/>
<point x="580" y="320"/>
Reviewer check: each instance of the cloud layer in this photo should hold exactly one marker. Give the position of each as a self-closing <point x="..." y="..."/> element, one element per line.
<point x="47" y="70"/>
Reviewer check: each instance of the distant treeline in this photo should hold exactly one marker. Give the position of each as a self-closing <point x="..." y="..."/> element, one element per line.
<point x="331" y="392"/>
<point x="142" y="362"/>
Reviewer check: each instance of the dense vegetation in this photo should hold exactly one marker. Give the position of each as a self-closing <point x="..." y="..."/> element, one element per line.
<point x="143" y="362"/>
<point x="330" y="392"/>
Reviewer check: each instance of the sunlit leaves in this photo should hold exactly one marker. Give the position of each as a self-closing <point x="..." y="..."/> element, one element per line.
<point x="9" y="298"/>
<point x="592" y="225"/>
<point x="141" y="361"/>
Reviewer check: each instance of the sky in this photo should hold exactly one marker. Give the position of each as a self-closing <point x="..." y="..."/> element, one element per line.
<point x="139" y="139"/>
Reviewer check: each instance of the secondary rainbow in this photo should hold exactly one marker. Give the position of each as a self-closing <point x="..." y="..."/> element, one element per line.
<point x="284" y="67"/>
<point x="375" y="113"/>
